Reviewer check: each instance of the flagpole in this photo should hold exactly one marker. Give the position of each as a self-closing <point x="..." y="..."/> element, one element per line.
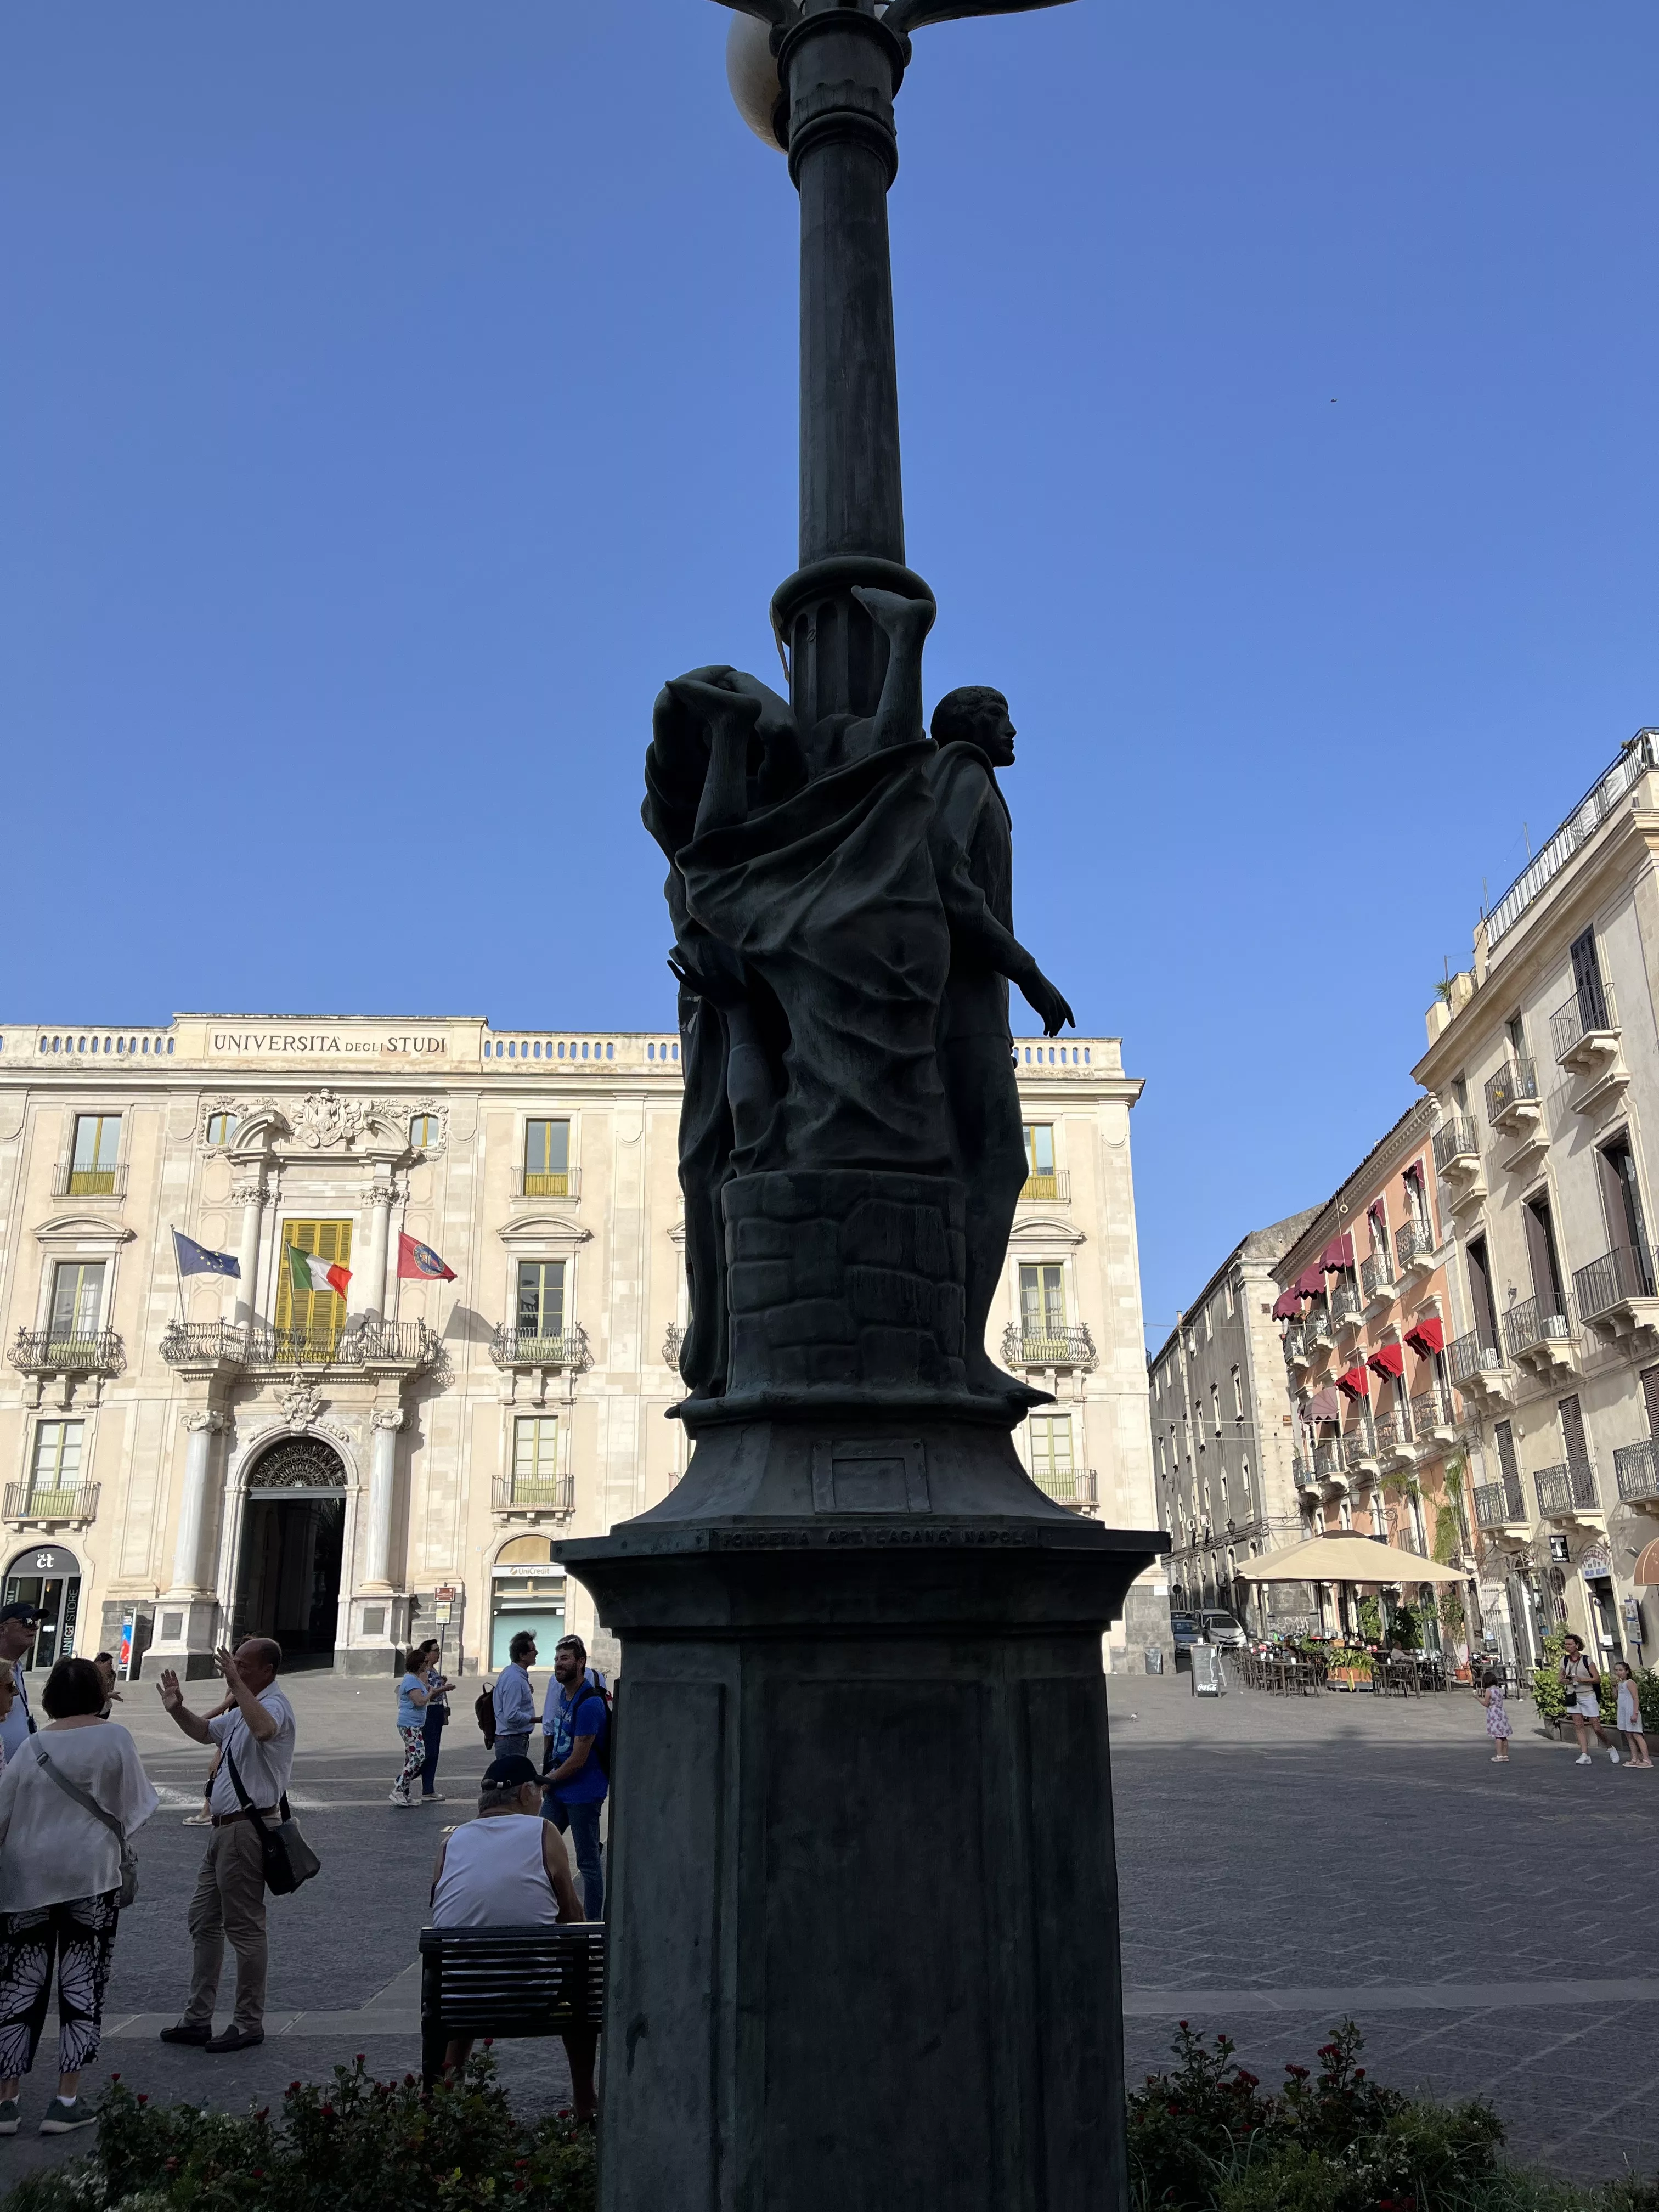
<point x="178" y="1274"/>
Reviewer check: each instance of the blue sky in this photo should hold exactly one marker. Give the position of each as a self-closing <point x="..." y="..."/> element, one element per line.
<point x="392" y="395"/>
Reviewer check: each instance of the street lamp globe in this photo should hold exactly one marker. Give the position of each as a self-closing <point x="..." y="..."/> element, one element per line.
<point x="752" y="74"/>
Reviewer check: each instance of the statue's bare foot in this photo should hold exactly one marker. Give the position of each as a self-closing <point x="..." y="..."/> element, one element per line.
<point x="711" y="703"/>
<point x="904" y="622"/>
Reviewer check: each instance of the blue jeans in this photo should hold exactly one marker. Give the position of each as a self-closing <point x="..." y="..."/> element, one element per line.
<point x="583" y="1823"/>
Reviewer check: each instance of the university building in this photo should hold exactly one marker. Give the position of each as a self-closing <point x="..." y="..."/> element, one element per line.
<point x="345" y="1463"/>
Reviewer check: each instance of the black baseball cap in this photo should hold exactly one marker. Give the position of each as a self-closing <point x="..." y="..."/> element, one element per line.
<point x="509" y="1773"/>
<point x="28" y="1613"/>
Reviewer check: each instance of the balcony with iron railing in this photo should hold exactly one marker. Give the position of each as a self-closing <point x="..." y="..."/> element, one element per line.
<point x="1317" y="1325"/>
<point x="545" y="1182"/>
<point x="1301" y="1473"/>
<point x="1048" y="1347"/>
<point x="1414" y="1248"/>
<point x="529" y="1497"/>
<point x="1636" y="1469"/>
<point x="1566" y="1490"/>
<point x="1540" y="1329"/>
<point x="1497" y="1504"/>
<point x="1594" y="809"/>
<point x="69" y="1179"/>
<point x="1376" y="1276"/>
<point x="1432" y="1416"/>
<point x="511" y="1347"/>
<point x="1296" y="1344"/>
<point x="1456" y="1150"/>
<point x="1049" y="1186"/>
<point x="1327" y="1459"/>
<point x="1474" y="1359"/>
<point x="363" y="1341"/>
<point x="1394" y="1437"/>
<point x="1587" y="1026"/>
<point x="1076" y="1486"/>
<point x="51" y="1506"/>
<point x="68" y="1351"/>
<point x="1606" y="1290"/>
<point x="1512" y="1094"/>
<point x="1348" y="1307"/>
<point x="1360" y="1453"/>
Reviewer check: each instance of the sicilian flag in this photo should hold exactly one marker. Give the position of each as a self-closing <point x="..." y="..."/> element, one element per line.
<point x="420" y="1261"/>
<point x="309" y="1271"/>
<point x="194" y="1259"/>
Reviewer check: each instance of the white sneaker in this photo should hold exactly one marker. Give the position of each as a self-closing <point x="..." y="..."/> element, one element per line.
<point x="1613" y="1756"/>
<point x="9" y="2117"/>
<point x="1583" y="1760"/>
<point x="397" y="1798"/>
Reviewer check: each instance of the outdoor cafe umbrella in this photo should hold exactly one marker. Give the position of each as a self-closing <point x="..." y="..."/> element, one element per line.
<point x="1346" y="1557"/>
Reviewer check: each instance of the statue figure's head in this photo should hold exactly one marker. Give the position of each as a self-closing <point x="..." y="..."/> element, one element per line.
<point x="974" y="715"/>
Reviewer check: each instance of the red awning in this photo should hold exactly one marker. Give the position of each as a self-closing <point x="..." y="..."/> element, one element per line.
<point x="1427" y="1335"/>
<point x="1387" y="1359"/>
<point x="1354" y="1383"/>
<point x="1324" y="1406"/>
<point x="1286" y="1306"/>
<point x="1310" y="1282"/>
<point x="1339" y="1253"/>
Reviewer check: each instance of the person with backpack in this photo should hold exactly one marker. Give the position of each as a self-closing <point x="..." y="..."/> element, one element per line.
<point x="577" y="1724"/>
<point x="515" y="1700"/>
<point x="1580" y="1678"/>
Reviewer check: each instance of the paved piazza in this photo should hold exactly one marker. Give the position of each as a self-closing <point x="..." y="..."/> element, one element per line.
<point x="1282" y="1863"/>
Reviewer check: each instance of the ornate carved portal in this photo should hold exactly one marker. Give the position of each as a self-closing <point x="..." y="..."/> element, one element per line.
<point x="298" y="1463"/>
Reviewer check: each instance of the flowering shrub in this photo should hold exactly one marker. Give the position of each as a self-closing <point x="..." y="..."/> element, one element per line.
<point x="352" y="2145"/>
<point x="1206" y="2137"/>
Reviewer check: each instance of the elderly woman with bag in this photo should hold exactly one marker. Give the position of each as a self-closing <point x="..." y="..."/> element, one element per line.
<point x="68" y="1801"/>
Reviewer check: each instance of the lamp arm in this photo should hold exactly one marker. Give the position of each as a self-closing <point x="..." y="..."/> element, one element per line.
<point x="778" y="13"/>
<point x="905" y="15"/>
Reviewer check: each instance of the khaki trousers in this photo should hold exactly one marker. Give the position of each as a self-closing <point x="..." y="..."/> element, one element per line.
<point x="229" y="1900"/>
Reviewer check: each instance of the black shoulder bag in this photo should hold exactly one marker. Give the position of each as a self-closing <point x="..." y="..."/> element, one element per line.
<point x="288" y="1858"/>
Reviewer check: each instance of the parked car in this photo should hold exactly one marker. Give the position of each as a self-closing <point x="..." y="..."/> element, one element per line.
<point x="1221" y="1628"/>
<point x="1185" y="1628"/>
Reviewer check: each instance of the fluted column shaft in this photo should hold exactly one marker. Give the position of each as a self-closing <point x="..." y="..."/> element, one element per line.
<point x="384" y="1423"/>
<point x="193" y="1508"/>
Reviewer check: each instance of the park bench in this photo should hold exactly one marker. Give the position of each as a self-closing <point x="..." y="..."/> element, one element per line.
<point x="507" y="1981"/>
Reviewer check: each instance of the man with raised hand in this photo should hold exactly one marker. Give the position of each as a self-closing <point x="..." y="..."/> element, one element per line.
<point x="256" y="1736"/>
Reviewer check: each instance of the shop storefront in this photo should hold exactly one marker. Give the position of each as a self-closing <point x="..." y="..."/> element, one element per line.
<point x="49" y="1577"/>
<point x="527" y="1592"/>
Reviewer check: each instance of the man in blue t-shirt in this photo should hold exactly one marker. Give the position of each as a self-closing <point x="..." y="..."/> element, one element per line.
<point x="576" y="1724"/>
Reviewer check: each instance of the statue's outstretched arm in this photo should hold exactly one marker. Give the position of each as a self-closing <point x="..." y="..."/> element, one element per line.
<point x="729" y="717"/>
<point x="904" y="624"/>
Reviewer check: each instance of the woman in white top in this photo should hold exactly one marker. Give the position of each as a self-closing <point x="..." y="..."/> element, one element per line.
<point x="60" y="1884"/>
<point x="509" y="1868"/>
<point x="1630" y="1717"/>
<point x="1581" y="1680"/>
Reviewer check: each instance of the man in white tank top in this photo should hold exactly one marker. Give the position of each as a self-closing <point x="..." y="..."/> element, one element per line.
<point x="510" y="1869"/>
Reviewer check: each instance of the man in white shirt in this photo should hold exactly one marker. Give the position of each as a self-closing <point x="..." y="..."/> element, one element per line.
<point x="257" y="1737"/>
<point x="17" y="1626"/>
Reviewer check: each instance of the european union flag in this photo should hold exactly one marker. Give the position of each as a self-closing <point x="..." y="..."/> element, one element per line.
<point x="195" y="1258"/>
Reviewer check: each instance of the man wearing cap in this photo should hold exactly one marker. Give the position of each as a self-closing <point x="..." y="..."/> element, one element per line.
<point x="17" y="1626"/>
<point x="508" y="1868"/>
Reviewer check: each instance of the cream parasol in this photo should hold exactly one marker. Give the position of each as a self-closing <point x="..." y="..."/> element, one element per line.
<point x="1345" y="1557"/>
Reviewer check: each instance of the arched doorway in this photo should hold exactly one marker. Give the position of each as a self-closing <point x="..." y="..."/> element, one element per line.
<point x="288" y="1571"/>
<point x="49" y="1577"/>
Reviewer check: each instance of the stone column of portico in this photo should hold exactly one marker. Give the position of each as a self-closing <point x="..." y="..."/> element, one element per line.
<point x="195" y="1506"/>
<point x="384" y="1425"/>
<point x="381" y="1193"/>
<point x="250" y="1195"/>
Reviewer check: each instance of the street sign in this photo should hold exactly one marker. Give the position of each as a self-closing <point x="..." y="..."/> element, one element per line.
<point x="1559" y="1549"/>
<point x="444" y="1594"/>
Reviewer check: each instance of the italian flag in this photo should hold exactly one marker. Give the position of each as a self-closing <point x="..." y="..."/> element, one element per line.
<point x="310" y="1272"/>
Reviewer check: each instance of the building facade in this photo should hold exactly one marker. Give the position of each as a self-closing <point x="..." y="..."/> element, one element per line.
<point x="1372" y="1307"/>
<point x="348" y="1459"/>
<point x="1224" y="1447"/>
<point x="1543" y="1066"/>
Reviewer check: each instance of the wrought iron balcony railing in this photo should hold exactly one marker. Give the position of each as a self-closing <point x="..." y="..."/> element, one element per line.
<point x="1414" y="1247"/>
<point x="524" y="1347"/>
<point x="1296" y="1346"/>
<point x="1054" y="1185"/>
<point x="66" y="1351"/>
<point x="545" y="1182"/>
<point x="1499" y="1502"/>
<point x="1542" y="1320"/>
<point x="1359" y="1452"/>
<point x="533" y="1493"/>
<point x="29" y="1504"/>
<point x="362" y="1341"/>
<point x="1430" y="1410"/>
<point x="1327" y="1459"/>
<point x="70" y="1181"/>
<point x="1393" y="1429"/>
<point x="1317" y="1325"/>
<point x="1588" y="1013"/>
<point x="1636" y="1469"/>
<point x="1516" y="1084"/>
<point x="1625" y="1272"/>
<point x="1068" y="1486"/>
<point x="1469" y="1356"/>
<point x="1376" y="1274"/>
<point x="1455" y="1144"/>
<point x="1565" y="1490"/>
<point x="1346" y="1305"/>
<point x="1048" y="1347"/>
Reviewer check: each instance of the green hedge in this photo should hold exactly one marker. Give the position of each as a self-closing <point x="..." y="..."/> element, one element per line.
<point x="355" y="2145"/>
